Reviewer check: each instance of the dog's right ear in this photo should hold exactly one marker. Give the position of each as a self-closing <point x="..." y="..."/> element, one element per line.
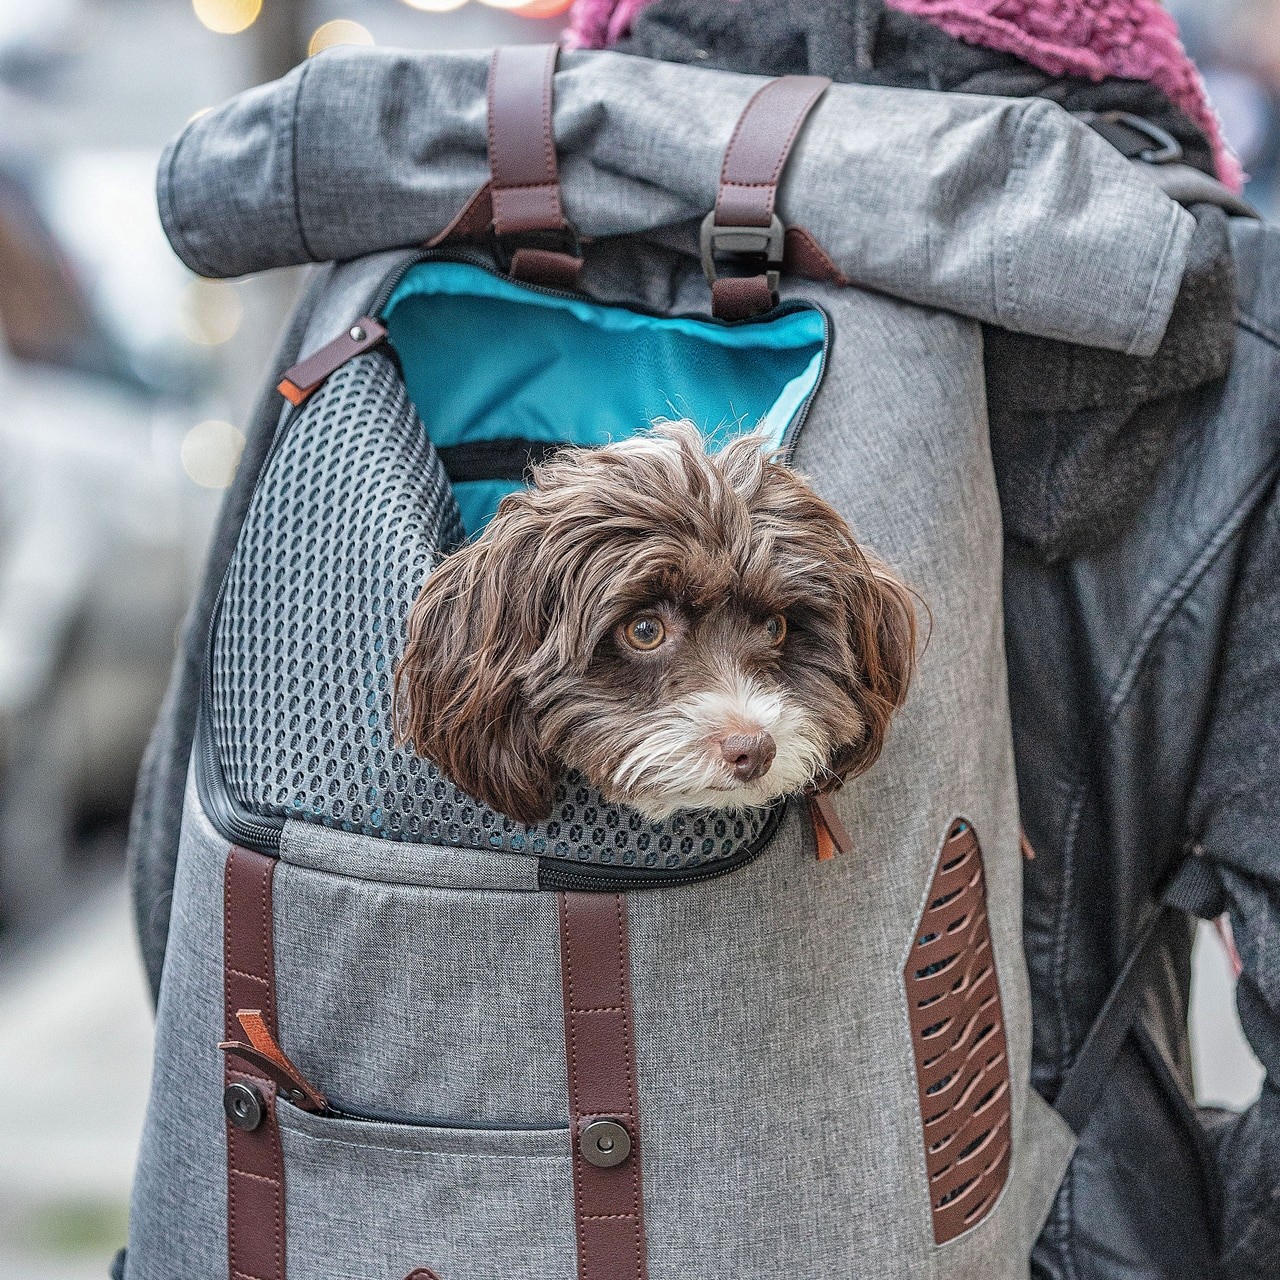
<point x="459" y="699"/>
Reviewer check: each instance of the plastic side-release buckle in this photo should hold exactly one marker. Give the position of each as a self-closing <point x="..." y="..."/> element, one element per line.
<point x="754" y="244"/>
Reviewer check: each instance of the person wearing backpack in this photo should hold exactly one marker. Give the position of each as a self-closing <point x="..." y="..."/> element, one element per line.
<point x="400" y="1032"/>
<point x="1142" y="597"/>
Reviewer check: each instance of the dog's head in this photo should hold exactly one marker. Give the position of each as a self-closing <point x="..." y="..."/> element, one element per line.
<point x="688" y="630"/>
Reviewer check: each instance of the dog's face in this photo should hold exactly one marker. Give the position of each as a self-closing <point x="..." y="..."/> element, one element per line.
<point x="686" y="630"/>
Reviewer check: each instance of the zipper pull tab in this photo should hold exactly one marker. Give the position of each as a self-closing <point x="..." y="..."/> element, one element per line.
<point x="830" y="834"/>
<point x="264" y="1053"/>
<point x="303" y="378"/>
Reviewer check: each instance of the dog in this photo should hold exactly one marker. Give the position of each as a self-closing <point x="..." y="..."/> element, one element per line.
<point x="687" y="630"/>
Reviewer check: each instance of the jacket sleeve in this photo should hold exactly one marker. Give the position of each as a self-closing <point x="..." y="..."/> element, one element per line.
<point x="1236" y="819"/>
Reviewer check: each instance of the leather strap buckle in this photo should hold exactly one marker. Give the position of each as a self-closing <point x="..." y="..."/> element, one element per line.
<point x="753" y="243"/>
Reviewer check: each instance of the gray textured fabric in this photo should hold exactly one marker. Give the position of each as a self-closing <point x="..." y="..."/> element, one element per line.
<point x="1008" y="211"/>
<point x="368" y="858"/>
<point x="177" y="1217"/>
<point x="474" y="1205"/>
<point x="781" y="1128"/>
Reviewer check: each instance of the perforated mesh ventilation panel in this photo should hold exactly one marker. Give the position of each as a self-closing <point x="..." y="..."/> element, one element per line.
<point x="957" y="1026"/>
<point x="349" y="514"/>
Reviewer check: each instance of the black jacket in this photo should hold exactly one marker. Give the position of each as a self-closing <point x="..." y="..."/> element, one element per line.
<point x="1145" y="690"/>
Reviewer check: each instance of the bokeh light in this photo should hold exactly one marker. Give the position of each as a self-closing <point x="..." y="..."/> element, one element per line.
<point x="544" y="8"/>
<point x="227" y="17"/>
<point x="504" y="4"/>
<point x="438" y="6"/>
<point x="210" y="312"/>
<point x="210" y="453"/>
<point x="339" y="31"/>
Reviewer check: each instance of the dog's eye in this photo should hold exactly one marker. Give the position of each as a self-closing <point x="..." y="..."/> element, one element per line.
<point x="645" y="632"/>
<point x="776" y="629"/>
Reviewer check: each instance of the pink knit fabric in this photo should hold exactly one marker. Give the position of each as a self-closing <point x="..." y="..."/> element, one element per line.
<point x="1092" y="39"/>
<point x="596" y="24"/>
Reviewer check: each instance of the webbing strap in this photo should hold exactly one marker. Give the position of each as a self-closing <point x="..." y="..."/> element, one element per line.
<point x="1088" y="1076"/>
<point x="604" y="1102"/>
<point x="255" y="1157"/>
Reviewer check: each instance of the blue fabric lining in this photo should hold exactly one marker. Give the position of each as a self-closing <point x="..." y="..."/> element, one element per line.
<point x="485" y="358"/>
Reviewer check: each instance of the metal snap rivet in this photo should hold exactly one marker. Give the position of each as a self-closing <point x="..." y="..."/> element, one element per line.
<point x="243" y="1106"/>
<point x="605" y="1143"/>
<point x="357" y="333"/>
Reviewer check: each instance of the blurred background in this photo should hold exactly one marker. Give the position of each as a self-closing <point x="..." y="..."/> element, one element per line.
<point x="123" y="379"/>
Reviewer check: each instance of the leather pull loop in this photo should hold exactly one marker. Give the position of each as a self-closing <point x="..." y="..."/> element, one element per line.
<point x="523" y="173"/>
<point x="744" y="225"/>
<point x="255" y="1156"/>
<point x="604" y="1102"/>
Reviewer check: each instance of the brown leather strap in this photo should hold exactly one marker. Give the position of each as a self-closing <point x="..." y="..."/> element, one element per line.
<point x="603" y="1098"/>
<point x="255" y="1159"/>
<point x="522" y="149"/>
<point x="524" y="177"/>
<point x="740" y="297"/>
<point x="753" y="163"/>
<point x="758" y="150"/>
<point x="301" y="379"/>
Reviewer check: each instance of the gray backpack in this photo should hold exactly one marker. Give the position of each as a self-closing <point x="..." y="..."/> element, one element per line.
<point x="400" y="1035"/>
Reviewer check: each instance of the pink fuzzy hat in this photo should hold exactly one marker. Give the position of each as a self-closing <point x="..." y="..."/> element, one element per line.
<point x="1091" y="39"/>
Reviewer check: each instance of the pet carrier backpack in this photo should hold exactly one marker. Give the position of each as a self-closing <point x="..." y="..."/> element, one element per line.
<point x="400" y="1035"/>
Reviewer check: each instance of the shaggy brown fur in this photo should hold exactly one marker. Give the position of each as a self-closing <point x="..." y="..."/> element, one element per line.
<point x="519" y="662"/>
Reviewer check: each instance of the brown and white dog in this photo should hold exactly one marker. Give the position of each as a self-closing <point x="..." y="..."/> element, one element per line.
<point x="688" y="630"/>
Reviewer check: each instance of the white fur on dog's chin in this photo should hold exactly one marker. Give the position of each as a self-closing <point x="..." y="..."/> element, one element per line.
<point x="678" y="765"/>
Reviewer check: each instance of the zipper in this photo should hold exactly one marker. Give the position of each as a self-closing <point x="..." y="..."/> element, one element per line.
<point x="339" y="1110"/>
<point x="554" y="875"/>
<point x="262" y="832"/>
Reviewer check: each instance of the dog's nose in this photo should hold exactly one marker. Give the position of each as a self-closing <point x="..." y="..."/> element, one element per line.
<point x="748" y="755"/>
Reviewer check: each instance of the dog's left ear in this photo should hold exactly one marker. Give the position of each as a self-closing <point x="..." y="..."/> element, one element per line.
<point x="881" y="625"/>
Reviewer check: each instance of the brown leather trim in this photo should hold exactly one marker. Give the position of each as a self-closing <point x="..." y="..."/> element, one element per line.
<point x="741" y="297"/>
<point x="473" y="220"/>
<point x="255" y="1159"/>
<point x="804" y="256"/>
<point x="957" y="1031"/>
<point x="522" y="150"/>
<point x="301" y="379"/>
<point x="758" y="150"/>
<point x="265" y="1053"/>
<point x="422" y="1273"/>
<point x="600" y="1053"/>
<point x="546" y="267"/>
<point x="830" y="834"/>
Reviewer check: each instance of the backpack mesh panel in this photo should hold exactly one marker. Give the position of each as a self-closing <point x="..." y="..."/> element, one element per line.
<point x="350" y="512"/>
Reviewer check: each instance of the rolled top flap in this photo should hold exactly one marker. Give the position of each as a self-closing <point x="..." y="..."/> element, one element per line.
<point x="1006" y="210"/>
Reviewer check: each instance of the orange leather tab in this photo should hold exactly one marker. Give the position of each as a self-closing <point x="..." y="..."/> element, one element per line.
<point x="265" y="1046"/>
<point x="830" y="834"/>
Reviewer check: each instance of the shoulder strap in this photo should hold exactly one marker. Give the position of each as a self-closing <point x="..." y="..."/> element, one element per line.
<point x="524" y="175"/>
<point x="1188" y="892"/>
<point x="744" y="224"/>
<point x="1159" y="155"/>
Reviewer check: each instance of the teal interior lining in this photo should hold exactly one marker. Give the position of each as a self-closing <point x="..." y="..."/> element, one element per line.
<point x="487" y="359"/>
